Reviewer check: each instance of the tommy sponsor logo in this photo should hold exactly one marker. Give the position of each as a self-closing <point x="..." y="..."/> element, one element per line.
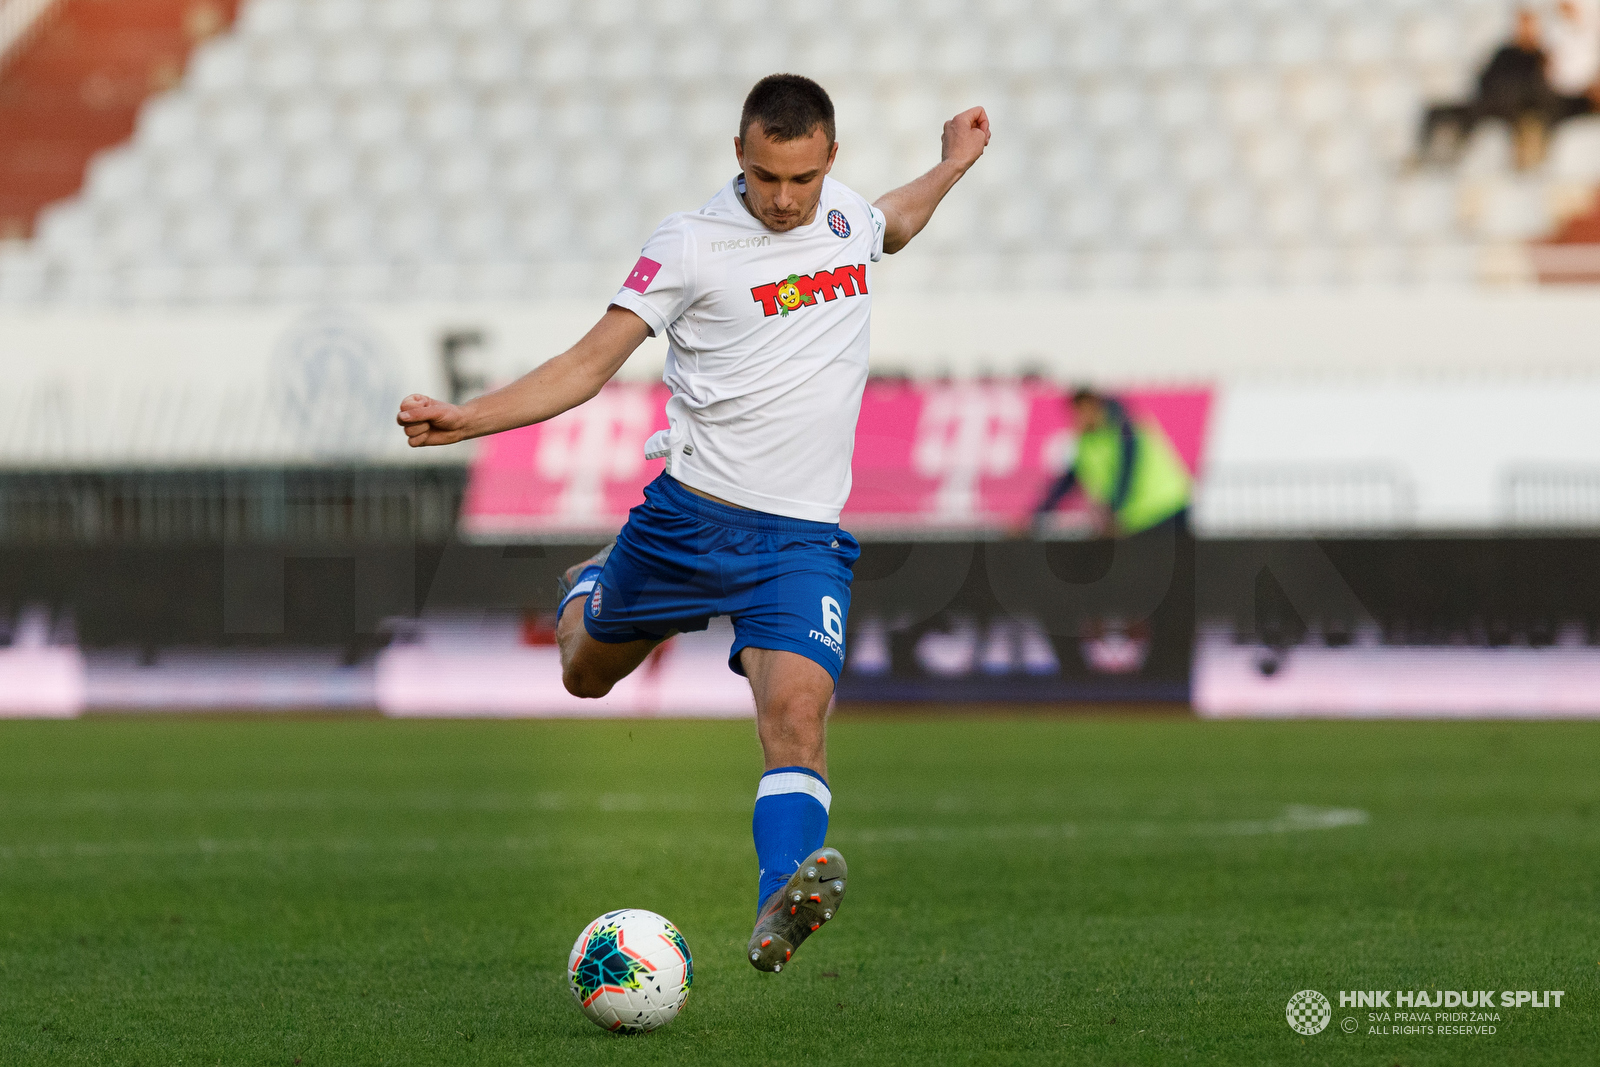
<point x="802" y="290"/>
<point x="743" y="242"/>
<point x="833" y="623"/>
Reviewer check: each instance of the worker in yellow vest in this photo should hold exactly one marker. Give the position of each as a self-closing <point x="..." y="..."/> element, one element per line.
<point x="1131" y="474"/>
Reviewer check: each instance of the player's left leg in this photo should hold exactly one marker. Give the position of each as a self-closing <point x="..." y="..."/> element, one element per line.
<point x="790" y="823"/>
<point x="792" y="695"/>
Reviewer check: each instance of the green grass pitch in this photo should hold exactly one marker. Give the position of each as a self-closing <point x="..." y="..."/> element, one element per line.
<point x="1086" y="890"/>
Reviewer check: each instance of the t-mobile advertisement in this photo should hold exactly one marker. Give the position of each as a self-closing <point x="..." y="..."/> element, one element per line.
<point x="931" y="460"/>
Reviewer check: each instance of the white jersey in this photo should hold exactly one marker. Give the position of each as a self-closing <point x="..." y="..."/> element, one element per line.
<point x="767" y="356"/>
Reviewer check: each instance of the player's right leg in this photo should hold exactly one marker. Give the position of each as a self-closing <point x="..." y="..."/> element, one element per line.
<point x="617" y="606"/>
<point x="589" y="668"/>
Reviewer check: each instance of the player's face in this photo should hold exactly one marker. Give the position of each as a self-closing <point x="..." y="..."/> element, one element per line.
<point x="783" y="179"/>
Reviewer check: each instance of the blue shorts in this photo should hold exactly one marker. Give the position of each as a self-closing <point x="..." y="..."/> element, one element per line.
<point x="682" y="559"/>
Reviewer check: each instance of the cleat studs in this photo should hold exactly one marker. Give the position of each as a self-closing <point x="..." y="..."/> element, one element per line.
<point x="816" y="897"/>
<point x="755" y="955"/>
<point x="811" y="872"/>
<point x="816" y="926"/>
<point x="765" y="942"/>
<point x="787" y="953"/>
<point x="822" y="859"/>
<point x="838" y="887"/>
<point x="791" y="909"/>
<point x="776" y="967"/>
<point x="827" y="915"/>
<point x="796" y="896"/>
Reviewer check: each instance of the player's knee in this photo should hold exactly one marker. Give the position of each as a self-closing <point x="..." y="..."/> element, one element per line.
<point x="584" y="683"/>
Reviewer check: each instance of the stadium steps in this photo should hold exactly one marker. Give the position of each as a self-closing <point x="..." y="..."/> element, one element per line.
<point x="75" y="87"/>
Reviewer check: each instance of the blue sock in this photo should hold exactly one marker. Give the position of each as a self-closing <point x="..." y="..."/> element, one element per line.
<point x="582" y="587"/>
<point x="790" y="823"/>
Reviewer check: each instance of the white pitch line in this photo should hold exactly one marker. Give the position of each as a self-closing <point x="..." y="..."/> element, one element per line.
<point x="1296" y="818"/>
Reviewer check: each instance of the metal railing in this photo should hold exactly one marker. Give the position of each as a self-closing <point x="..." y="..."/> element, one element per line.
<point x="1551" y="498"/>
<point x="372" y="504"/>
<point x="1334" y="498"/>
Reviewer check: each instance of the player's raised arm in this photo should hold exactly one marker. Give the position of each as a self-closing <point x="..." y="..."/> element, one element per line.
<point x="906" y="210"/>
<point x="554" y="386"/>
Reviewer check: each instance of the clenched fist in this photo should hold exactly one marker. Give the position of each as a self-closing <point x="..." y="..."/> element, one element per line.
<point x="965" y="137"/>
<point x="431" y="422"/>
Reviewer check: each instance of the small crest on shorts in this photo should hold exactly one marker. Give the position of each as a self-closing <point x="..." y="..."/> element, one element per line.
<point x="594" y="602"/>
<point x="838" y="223"/>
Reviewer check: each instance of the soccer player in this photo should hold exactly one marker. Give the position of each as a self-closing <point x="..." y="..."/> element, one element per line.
<point x="765" y="297"/>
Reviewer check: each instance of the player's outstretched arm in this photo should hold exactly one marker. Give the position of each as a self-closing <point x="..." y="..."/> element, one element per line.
<point x="906" y="210"/>
<point x="554" y="386"/>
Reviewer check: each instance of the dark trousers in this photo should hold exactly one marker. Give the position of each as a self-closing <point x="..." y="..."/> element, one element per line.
<point x="1543" y="110"/>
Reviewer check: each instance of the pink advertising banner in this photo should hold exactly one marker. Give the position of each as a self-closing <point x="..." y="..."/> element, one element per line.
<point x="931" y="458"/>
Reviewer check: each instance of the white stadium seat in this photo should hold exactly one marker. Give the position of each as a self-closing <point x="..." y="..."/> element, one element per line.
<point x="355" y="63"/>
<point x="1425" y="208"/>
<point x="220" y="65"/>
<point x="184" y="178"/>
<point x="202" y="235"/>
<point x="1506" y="210"/>
<point x="1575" y="151"/>
<point x="168" y="121"/>
<point x="253" y="175"/>
<point x="119" y="175"/>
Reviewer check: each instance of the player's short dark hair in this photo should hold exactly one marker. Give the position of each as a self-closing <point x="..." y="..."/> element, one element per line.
<point x="788" y="107"/>
<point x="1084" y="393"/>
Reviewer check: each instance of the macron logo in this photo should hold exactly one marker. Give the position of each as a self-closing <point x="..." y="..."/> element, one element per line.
<point x="644" y="272"/>
<point x="743" y="242"/>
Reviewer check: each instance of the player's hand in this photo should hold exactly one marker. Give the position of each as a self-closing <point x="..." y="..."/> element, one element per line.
<point x="431" y="422"/>
<point x="965" y="137"/>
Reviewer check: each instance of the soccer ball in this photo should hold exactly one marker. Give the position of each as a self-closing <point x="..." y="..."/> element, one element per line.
<point x="630" y="971"/>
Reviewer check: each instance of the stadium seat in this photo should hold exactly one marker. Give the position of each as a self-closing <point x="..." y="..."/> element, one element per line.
<point x="1575" y="151"/>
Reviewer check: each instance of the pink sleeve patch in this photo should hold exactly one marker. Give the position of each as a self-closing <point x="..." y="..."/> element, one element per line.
<point x="644" y="272"/>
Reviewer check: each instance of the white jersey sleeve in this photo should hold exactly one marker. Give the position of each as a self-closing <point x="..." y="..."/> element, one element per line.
<point x="879" y="224"/>
<point x="661" y="285"/>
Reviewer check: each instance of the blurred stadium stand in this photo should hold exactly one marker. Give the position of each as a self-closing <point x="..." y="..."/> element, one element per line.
<point x="362" y="149"/>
